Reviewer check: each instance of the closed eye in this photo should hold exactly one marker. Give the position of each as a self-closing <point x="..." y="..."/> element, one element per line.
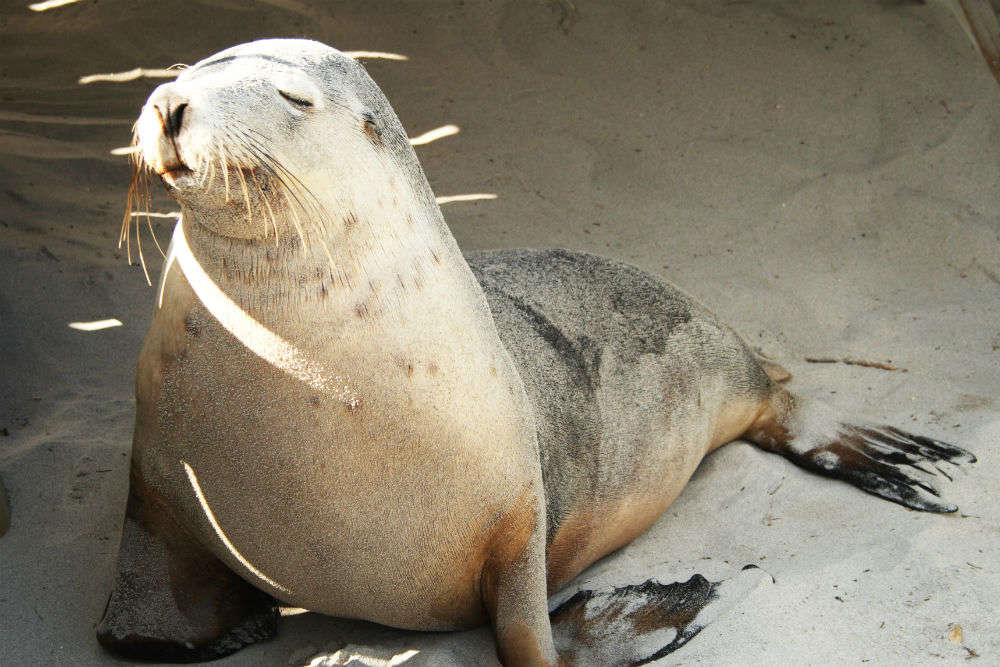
<point x="295" y="101"/>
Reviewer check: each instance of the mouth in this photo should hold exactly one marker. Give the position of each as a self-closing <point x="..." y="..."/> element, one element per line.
<point x="172" y="172"/>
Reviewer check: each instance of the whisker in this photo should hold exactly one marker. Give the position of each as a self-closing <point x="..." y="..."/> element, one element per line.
<point x="133" y="187"/>
<point x="298" y="227"/>
<point x="270" y="211"/>
<point x="127" y="223"/>
<point x="149" y="206"/>
<point x="315" y="209"/>
<point x="301" y="187"/>
<point x="142" y="260"/>
<point x="211" y="180"/>
<point x="318" y="211"/>
<point x="295" y="218"/>
<point x="153" y="234"/>
<point x="203" y="165"/>
<point x="225" y="169"/>
<point x="267" y="164"/>
<point x="246" y="195"/>
<point x="129" y="202"/>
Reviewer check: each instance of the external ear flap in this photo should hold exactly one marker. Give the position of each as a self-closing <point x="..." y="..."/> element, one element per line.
<point x="371" y="126"/>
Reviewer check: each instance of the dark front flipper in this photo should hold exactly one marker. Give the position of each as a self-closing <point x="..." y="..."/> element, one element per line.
<point x="172" y="600"/>
<point x="885" y="461"/>
<point x="637" y="624"/>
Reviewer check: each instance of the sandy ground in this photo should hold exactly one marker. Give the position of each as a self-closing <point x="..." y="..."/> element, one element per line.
<point x="825" y="175"/>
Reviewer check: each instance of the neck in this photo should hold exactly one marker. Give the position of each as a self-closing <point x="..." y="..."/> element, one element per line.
<point x="354" y="262"/>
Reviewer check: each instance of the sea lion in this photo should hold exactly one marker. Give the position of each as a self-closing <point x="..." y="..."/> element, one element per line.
<point x="336" y="409"/>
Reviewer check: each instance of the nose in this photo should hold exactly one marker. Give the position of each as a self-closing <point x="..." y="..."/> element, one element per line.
<point x="170" y="105"/>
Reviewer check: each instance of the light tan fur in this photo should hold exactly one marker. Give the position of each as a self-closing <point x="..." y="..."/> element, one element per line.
<point x="337" y="406"/>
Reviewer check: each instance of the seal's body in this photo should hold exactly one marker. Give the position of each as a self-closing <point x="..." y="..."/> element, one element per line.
<point x="336" y="407"/>
<point x="631" y="383"/>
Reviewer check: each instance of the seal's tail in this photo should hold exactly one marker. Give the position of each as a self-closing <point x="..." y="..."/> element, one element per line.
<point x="882" y="460"/>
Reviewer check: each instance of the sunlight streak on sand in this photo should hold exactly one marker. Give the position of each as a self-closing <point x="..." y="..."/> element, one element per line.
<point x="472" y="197"/>
<point x="292" y="611"/>
<point x="95" y="325"/>
<point x="435" y="134"/>
<point x="146" y="214"/>
<point x="60" y="120"/>
<point x="130" y="75"/>
<point x="363" y="656"/>
<point x="375" y="54"/>
<point x="50" y="4"/>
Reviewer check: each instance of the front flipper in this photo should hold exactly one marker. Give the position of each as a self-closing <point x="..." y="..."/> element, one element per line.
<point x="172" y="600"/>
<point x="886" y="462"/>
<point x="637" y="624"/>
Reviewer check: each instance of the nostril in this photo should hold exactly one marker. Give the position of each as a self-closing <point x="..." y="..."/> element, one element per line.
<point x="175" y="117"/>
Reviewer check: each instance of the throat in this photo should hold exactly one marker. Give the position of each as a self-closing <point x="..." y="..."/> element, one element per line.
<point x="358" y="269"/>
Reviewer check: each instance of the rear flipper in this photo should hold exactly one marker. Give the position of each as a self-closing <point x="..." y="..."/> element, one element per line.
<point x="881" y="460"/>
<point x="637" y="624"/>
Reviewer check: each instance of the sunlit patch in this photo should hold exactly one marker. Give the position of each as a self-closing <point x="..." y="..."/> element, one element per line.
<point x="50" y="4"/>
<point x="472" y="197"/>
<point x="221" y="535"/>
<point x="149" y="214"/>
<point x="260" y="340"/>
<point x="292" y="611"/>
<point x="375" y="54"/>
<point x="19" y="117"/>
<point x="130" y="75"/>
<point x="362" y="656"/>
<point x="435" y="134"/>
<point x="96" y="325"/>
<point x="167" y="264"/>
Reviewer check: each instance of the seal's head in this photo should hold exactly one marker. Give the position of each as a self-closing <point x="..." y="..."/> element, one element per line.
<point x="278" y="135"/>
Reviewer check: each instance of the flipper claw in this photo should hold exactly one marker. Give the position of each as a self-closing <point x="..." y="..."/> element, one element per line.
<point x="887" y="462"/>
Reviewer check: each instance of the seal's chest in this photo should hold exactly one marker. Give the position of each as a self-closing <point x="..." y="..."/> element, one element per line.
<point x="385" y="527"/>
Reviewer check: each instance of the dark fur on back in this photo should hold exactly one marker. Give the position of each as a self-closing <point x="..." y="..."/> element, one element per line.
<point x="580" y="327"/>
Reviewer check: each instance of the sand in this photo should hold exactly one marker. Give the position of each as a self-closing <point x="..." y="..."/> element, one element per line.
<point x="824" y="175"/>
